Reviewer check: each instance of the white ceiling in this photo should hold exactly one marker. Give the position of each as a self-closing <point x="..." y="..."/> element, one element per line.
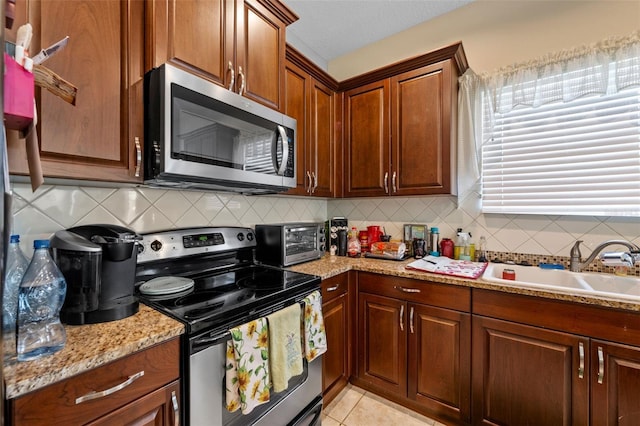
<point x="328" y="29"/>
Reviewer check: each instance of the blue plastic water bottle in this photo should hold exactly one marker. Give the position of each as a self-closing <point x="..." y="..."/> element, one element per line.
<point x="17" y="265"/>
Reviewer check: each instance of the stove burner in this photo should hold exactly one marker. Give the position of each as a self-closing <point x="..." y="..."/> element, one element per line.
<point x="192" y="314"/>
<point x="199" y="298"/>
<point x="257" y="284"/>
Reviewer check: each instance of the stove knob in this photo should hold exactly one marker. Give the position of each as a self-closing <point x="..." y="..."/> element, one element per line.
<point x="240" y="236"/>
<point x="250" y="236"/>
<point x="156" y="245"/>
<point x="140" y="248"/>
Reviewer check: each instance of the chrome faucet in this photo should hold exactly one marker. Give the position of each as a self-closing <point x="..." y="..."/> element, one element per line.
<point x="626" y="259"/>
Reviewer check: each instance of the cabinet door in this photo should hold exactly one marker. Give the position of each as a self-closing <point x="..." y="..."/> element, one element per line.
<point x="334" y="361"/>
<point x="528" y="375"/>
<point x="615" y="384"/>
<point x="260" y="54"/>
<point x="100" y="137"/>
<point x="439" y="367"/>
<point x="382" y="342"/>
<point x="321" y="141"/>
<point x="159" y="408"/>
<point x="206" y="49"/>
<point x="297" y="106"/>
<point x="367" y="140"/>
<point x="422" y="105"/>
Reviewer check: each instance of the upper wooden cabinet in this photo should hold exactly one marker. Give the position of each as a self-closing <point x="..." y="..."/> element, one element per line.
<point x="311" y="100"/>
<point x="238" y="44"/>
<point x="400" y="127"/>
<point x="100" y="138"/>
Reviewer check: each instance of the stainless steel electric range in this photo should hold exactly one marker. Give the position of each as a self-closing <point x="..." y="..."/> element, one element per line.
<point x="207" y="279"/>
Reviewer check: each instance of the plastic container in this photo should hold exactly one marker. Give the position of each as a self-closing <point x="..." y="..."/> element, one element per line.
<point x="482" y="254"/>
<point x="434" y="242"/>
<point x="41" y="295"/>
<point x="353" y="246"/>
<point x="446" y="248"/>
<point x="17" y="265"/>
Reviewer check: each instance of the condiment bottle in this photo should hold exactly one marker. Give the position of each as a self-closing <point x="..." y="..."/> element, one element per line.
<point x="41" y="295"/>
<point x="353" y="246"/>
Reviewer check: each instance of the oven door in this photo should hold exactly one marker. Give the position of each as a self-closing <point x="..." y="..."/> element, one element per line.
<point x="207" y="397"/>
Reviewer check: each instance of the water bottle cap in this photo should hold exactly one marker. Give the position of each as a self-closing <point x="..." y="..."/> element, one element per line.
<point x="435" y="230"/>
<point x="15" y="238"/>
<point x="40" y="244"/>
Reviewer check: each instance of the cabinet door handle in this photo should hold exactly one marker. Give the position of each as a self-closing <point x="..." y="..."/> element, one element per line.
<point x="402" y="318"/>
<point x="411" y="320"/>
<point x="106" y="392"/>
<point x="138" y="156"/>
<point x="242" y="81"/>
<point x="386" y="182"/>
<point x="393" y="183"/>
<point x="407" y="290"/>
<point x="233" y="76"/>
<point x="315" y="181"/>
<point x="600" y="365"/>
<point x="581" y="366"/>
<point x="310" y="181"/>
<point x="176" y="409"/>
<point x="334" y="288"/>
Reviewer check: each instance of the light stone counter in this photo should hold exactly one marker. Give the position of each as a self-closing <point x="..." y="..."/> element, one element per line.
<point x="90" y="346"/>
<point x="329" y="266"/>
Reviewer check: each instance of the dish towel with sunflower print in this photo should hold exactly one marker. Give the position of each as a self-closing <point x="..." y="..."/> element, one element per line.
<point x="285" y="351"/>
<point x="315" y="340"/>
<point x="247" y="376"/>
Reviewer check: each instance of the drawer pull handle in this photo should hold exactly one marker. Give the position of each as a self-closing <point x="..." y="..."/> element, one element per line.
<point x="581" y="366"/>
<point x="334" y="288"/>
<point x="600" y="365"/>
<point x="402" y="318"/>
<point x="176" y="409"/>
<point x="407" y="290"/>
<point x="106" y="392"/>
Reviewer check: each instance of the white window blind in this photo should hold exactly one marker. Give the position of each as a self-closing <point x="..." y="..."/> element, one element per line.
<point x="578" y="157"/>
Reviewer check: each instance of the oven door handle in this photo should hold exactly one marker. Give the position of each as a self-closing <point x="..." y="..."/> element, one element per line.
<point x="210" y="341"/>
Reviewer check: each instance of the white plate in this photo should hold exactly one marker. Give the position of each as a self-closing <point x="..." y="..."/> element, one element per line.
<point x="166" y="285"/>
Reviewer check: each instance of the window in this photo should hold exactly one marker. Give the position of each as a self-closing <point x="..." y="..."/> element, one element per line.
<point x="564" y="139"/>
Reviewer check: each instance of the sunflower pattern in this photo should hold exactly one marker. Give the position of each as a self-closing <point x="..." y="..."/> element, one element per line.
<point x="315" y="339"/>
<point x="247" y="378"/>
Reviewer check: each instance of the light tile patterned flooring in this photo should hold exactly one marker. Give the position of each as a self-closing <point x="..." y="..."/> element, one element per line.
<point x="357" y="407"/>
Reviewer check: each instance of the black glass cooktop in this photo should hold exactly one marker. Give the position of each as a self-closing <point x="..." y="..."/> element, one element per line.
<point x="230" y="295"/>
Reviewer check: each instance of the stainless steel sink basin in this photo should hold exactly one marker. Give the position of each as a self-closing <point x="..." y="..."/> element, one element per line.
<point x="604" y="285"/>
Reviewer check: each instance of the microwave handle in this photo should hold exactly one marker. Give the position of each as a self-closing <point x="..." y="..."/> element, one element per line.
<point x="285" y="151"/>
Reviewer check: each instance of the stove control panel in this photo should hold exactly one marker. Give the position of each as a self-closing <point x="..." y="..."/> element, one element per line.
<point x="189" y="241"/>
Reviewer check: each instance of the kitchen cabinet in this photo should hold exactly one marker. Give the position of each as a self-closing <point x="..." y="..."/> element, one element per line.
<point x="238" y="44"/>
<point x="311" y="100"/>
<point x="400" y="127"/>
<point x="542" y="361"/>
<point x="337" y="324"/>
<point x="144" y="386"/>
<point x="101" y="137"/>
<point x="413" y="344"/>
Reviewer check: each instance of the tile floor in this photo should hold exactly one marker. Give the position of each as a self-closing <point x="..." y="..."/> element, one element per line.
<point x="357" y="407"/>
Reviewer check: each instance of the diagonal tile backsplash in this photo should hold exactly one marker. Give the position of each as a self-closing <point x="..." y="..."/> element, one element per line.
<point x="51" y="208"/>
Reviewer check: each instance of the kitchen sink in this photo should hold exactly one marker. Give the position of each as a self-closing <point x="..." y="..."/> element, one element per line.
<point x="591" y="283"/>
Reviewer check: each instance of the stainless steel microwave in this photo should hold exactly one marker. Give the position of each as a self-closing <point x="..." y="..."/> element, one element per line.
<point x="200" y="135"/>
<point x="285" y="244"/>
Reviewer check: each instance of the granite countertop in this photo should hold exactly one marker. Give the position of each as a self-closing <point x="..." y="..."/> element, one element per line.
<point x="329" y="266"/>
<point x="90" y="346"/>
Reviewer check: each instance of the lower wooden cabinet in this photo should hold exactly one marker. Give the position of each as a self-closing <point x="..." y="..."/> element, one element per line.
<point x="335" y="310"/>
<point x="528" y="375"/>
<point x="142" y="388"/>
<point x="413" y="344"/>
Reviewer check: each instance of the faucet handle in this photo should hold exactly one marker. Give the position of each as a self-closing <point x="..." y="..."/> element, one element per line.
<point x="575" y="250"/>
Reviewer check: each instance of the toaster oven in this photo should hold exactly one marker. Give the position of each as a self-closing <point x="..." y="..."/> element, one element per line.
<point x="287" y="244"/>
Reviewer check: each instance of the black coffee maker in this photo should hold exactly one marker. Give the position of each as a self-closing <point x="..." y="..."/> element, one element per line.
<point x="99" y="265"/>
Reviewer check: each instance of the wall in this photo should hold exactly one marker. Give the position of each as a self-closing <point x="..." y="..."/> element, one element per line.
<point x="51" y="208"/>
<point x="496" y="33"/>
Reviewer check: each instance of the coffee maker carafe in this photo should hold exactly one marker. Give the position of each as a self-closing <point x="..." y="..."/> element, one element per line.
<point x="99" y="265"/>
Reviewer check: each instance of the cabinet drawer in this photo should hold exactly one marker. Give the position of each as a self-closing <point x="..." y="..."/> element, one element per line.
<point x="425" y="292"/>
<point x="334" y="287"/>
<point x="57" y="403"/>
